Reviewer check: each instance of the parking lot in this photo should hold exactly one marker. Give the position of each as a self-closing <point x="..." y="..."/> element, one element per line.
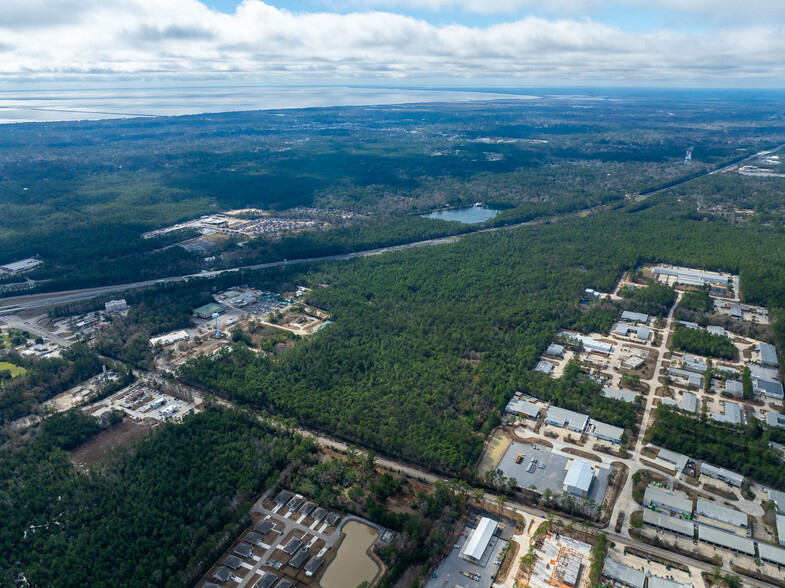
<point x="552" y="475"/>
<point x="453" y="570"/>
<point x="142" y="402"/>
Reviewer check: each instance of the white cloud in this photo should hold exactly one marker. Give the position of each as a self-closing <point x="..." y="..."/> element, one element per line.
<point x="184" y="37"/>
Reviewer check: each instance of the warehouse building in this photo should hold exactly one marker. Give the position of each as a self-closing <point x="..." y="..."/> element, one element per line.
<point x="677" y="460"/>
<point x="688" y="277"/>
<point x="766" y="387"/>
<point x="734" y="388"/>
<point x="116" y="305"/>
<point x="579" y="478"/>
<point x="555" y="350"/>
<point x="718" y="512"/>
<point x="622" y="574"/>
<point x="688" y="402"/>
<point x="775" y="419"/>
<point x="693" y="379"/>
<point x="768" y="354"/>
<point x="781" y="528"/>
<point x="17" y="267"/>
<point x="670" y="524"/>
<point x="731" y="416"/>
<point x="521" y="406"/>
<point x="606" y="432"/>
<point x="771" y="554"/>
<point x="635" y="317"/>
<point x="479" y="540"/>
<point x="208" y="310"/>
<point x="714" y="330"/>
<point x="588" y="344"/>
<point x="724" y="540"/>
<point x="695" y="364"/>
<point x="659" y="582"/>
<point x="670" y="500"/>
<point x="616" y="394"/>
<point x="544" y="367"/>
<point x="731" y="478"/>
<point x="628" y="330"/>
<point x="560" y="417"/>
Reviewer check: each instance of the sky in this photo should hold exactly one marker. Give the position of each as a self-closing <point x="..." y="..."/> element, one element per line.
<point x="505" y="43"/>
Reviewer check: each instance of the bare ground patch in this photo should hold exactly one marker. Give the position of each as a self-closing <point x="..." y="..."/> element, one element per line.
<point x="92" y="453"/>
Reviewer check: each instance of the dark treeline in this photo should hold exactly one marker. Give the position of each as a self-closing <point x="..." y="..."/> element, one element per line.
<point x="427" y="345"/>
<point x="156" y="516"/>
<point x="702" y="342"/>
<point x="741" y="449"/>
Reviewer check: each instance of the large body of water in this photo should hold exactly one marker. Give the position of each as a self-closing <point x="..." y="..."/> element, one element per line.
<point x="352" y="566"/>
<point x="94" y="104"/>
<point x="469" y="215"/>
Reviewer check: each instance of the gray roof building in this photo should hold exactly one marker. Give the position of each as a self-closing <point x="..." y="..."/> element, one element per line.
<point x="659" y="582"/>
<point x="781" y="528"/>
<point x="719" y="512"/>
<point x="589" y="344"/>
<point x="332" y="519"/>
<point x="243" y="549"/>
<point x="690" y="277"/>
<point x="734" y="388"/>
<point x="524" y="407"/>
<point x="232" y="561"/>
<point x="678" y="460"/>
<point x="606" y="432"/>
<point x="767" y="388"/>
<point x="263" y="527"/>
<point x="670" y="500"/>
<point x="284" y="583"/>
<point x="723" y="475"/>
<point x="735" y="312"/>
<point x="676" y="525"/>
<point x="253" y="538"/>
<point x="690" y="325"/>
<point x="775" y="419"/>
<point x="714" y="330"/>
<point x="625" y="575"/>
<point x="560" y="417"/>
<point x="266" y="581"/>
<point x="307" y="508"/>
<point x="693" y="379"/>
<point x="726" y="540"/>
<point x="544" y="367"/>
<point x="635" y="317"/>
<point x="777" y="498"/>
<point x="628" y="330"/>
<point x="319" y="514"/>
<point x="299" y="559"/>
<point x="732" y="414"/>
<point x="771" y="553"/>
<point x="313" y="566"/>
<point x="283" y="497"/>
<point x="555" y="350"/>
<point x="728" y="371"/>
<point x="688" y="402"/>
<point x="579" y="478"/>
<point x="616" y="394"/>
<point x="293" y="545"/>
<point x="768" y="355"/>
<point x="222" y="574"/>
<point x="693" y="363"/>
<point x="208" y="310"/>
<point x="295" y="503"/>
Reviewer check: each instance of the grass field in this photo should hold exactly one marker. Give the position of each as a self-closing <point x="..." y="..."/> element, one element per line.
<point x="14" y="369"/>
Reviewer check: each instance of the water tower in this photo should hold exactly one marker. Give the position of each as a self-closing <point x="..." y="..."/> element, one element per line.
<point x="217" y="331"/>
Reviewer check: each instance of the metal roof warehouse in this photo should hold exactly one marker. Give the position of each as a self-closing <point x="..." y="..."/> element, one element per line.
<point x="667" y="500"/>
<point x="479" y="540"/>
<point x="722" y="513"/>
<point x="726" y="540"/>
<point x="675" y="525"/>
<point x="559" y="417"/>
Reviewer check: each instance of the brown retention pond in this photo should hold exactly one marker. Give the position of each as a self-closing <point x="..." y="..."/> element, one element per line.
<point x="352" y="565"/>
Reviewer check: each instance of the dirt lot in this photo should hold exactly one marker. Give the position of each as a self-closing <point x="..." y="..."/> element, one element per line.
<point x="92" y="453"/>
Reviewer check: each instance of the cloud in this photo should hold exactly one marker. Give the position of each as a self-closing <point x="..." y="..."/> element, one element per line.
<point x="185" y="37"/>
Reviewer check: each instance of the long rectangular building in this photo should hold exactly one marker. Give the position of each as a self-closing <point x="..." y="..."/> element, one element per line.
<point x="560" y="417"/>
<point x="690" y="277"/>
<point x="665" y="522"/>
<point x="723" y="475"/>
<point x="725" y="540"/>
<point x="672" y="501"/>
<point x="588" y="343"/>
<point x="772" y="554"/>
<point x="718" y="512"/>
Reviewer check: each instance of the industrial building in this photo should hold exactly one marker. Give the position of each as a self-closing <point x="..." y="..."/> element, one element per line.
<point x="771" y="554"/>
<point x="170" y="338"/>
<point x="693" y="379"/>
<point x="718" y="512"/>
<point x="622" y="574"/>
<point x="768" y="354"/>
<point x="677" y="460"/>
<point x="579" y="478"/>
<point x="560" y="417"/>
<point x="208" y="310"/>
<point x="606" y="432"/>
<point x="17" y="267"/>
<point x="628" y="330"/>
<point x="729" y="541"/>
<point x="688" y="277"/>
<point x="544" y="367"/>
<point x="555" y="350"/>
<point x="479" y="540"/>
<point x="731" y="416"/>
<point x="769" y="388"/>
<point x="714" y="330"/>
<point x="635" y="317"/>
<point x="781" y="528"/>
<point x="659" y="582"/>
<point x="695" y="364"/>
<point x="778" y="498"/>
<point x="520" y="406"/>
<point x="734" y="388"/>
<point x="616" y="394"/>
<point x="116" y="305"/>
<point x="727" y="371"/>
<point x="670" y="500"/>
<point x="588" y="344"/>
<point x="671" y="524"/>
<point x="731" y="478"/>
<point x="775" y="419"/>
<point x="688" y="402"/>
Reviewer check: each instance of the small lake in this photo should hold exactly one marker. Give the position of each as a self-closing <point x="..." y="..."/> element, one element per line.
<point x="469" y="215"/>
<point x="352" y="565"/>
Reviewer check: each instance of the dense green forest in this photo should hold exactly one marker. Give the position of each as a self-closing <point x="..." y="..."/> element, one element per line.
<point x="156" y="516"/>
<point x="427" y="345"/>
<point x="654" y="299"/>
<point x="741" y="449"/>
<point x="44" y="379"/>
<point x="702" y="342"/>
<point x="107" y="182"/>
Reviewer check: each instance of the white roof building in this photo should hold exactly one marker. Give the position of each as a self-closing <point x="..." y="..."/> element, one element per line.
<point x="628" y="330"/>
<point x="20" y="266"/>
<point x="555" y="350"/>
<point x="775" y="419"/>
<point x="544" y="367"/>
<point x="579" y="478"/>
<point x="732" y="414"/>
<point x="618" y="572"/>
<point x="771" y="554"/>
<point x="734" y="388"/>
<point x="606" y="432"/>
<point x="781" y="528"/>
<point x="714" y="330"/>
<point x="690" y="277"/>
<point x="170" y="338"/>
<point x="636" y="317"/>
<point x="616" y="394"/>
<point x="768" y="354"/>
<point x="670" y="500"/>
<point x="726" y="540"/>
<point x="524" y="407"/>
<point x="588" y="343"/>
<point x="479" y="540"/>
<point x="560" y="417"/>
<point x="723" y="475"/>
<point x="678" y="460"/>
